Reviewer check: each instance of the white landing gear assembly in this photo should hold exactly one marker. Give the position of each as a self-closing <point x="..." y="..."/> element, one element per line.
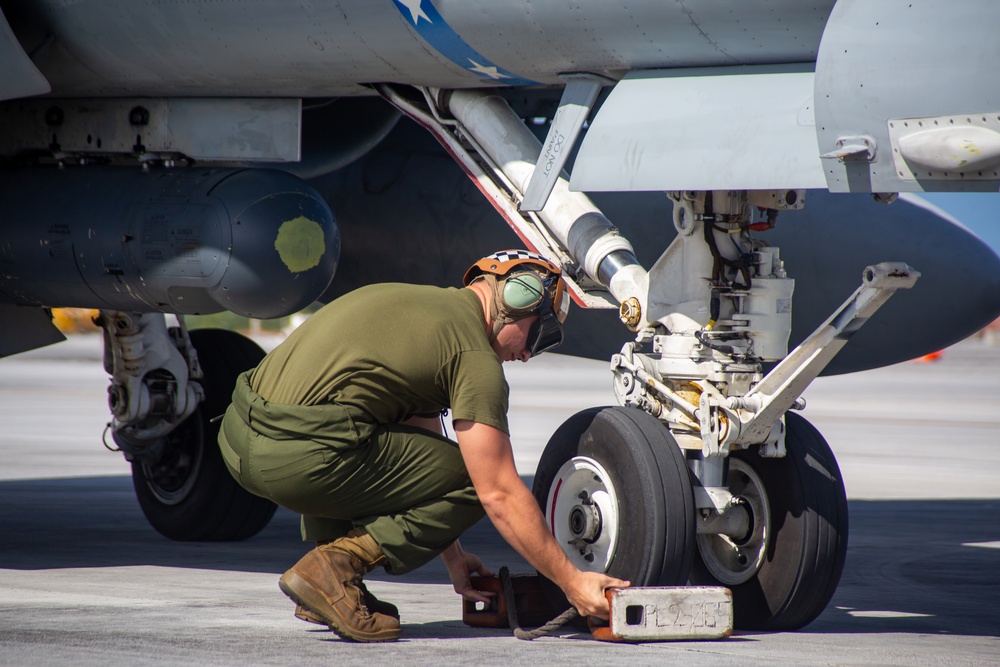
<point x="701" y="475"/>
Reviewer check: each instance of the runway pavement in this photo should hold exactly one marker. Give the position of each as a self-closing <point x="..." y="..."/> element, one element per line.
<point x="85" y="581"/>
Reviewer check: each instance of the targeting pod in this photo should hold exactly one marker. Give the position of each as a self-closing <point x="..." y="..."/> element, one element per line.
<point x="258" y="242"/>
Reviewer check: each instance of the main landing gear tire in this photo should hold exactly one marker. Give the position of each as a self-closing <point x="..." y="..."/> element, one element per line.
<point x="616" y="494"/>
<point x="188" y="494"/>
<point x="784" y="572"/>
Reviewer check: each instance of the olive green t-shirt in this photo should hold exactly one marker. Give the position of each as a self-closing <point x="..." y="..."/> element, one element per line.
<point x="394" y="351"/>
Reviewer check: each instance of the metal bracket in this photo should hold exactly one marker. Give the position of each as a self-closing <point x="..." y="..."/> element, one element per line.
<point x="258" y="129"/>
<point x="780" y="389"/>
<point x="862" y="147"/>
<point x="577" y="100"/>
<point x="717" y="426"/>
<point x="716" y="498"/>
<point x="625" y="364"/>
<point x="665" y="613"/>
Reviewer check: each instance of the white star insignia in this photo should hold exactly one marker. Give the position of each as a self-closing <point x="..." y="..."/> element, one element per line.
<point x="486" y="71"/>
<point x="416" y="12"/>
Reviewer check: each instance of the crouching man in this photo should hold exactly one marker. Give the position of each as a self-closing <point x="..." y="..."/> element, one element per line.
<point x="341" y="423"/>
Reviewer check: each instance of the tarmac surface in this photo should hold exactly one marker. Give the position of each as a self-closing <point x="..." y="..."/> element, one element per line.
<point x="85" y="581"/>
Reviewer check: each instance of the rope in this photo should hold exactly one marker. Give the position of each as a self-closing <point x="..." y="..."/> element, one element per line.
<point x="527" y="635"/>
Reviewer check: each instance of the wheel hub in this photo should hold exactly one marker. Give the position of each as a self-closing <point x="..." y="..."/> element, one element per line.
<point x="582" y="513"/>
<point x="585" y="519"/>
<point x="172" y="477"/>
<point x="734" y="561"/>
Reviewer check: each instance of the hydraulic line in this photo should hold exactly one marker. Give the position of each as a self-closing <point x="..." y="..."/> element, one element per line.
<point x="580" y="227"/>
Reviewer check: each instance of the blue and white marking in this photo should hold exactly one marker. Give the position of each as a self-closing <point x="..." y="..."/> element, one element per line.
<point x="430" y="25"/>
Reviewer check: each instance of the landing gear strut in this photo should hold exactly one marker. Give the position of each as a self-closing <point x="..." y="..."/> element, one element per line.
<point x="167" y="387"/>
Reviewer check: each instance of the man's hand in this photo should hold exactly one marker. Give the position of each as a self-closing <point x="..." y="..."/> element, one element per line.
<point x="461" y="566"/>
<point x="512" y="509"/>
<point x="585" y="591"/>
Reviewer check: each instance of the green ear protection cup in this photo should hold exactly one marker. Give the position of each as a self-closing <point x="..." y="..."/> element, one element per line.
<point x="523" y="291"/>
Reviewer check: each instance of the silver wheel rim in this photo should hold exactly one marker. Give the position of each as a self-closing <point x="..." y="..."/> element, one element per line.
<point x="733" y="561"/>
<point x="582" y="513"/>
<point x="172" y="480"/>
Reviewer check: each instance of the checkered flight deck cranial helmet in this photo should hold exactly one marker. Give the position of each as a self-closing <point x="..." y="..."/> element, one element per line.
<point x="523" y="284"/>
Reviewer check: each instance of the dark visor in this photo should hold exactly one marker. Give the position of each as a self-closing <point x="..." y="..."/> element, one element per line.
<point x="545" y="333"/>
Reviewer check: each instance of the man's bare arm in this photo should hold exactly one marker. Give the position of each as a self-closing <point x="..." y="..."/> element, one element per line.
<point x="508" y="502"/>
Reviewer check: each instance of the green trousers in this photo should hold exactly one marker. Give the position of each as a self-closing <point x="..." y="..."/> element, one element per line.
<point x="408" y="487"/>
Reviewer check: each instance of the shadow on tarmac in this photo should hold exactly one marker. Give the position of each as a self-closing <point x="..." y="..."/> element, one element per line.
<point x="922" y="566"/>
<point x="96" y="522"/>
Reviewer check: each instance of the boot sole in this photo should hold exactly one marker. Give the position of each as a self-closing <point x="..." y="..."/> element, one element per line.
<point x="308" y="616"/>
<point x="303" y="593"/>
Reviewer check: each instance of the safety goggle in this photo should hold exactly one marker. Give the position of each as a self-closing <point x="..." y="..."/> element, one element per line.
<point x="528" y="292"/>
<point x="545" y="332"/>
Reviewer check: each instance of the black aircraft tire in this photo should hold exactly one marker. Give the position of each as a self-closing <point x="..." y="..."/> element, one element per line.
<point x="807" y="540"/>
<point x="639" y="481"/>
<point x="189" y="494"/>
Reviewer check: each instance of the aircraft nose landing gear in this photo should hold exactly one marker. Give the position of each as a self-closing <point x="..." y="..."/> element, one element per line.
<point x="616" y="492"/>
<point x="772" y="525"/>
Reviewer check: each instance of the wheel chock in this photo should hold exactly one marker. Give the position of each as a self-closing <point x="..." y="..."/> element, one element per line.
<point x="530" y="603"/>
<point x="666" y="613"/>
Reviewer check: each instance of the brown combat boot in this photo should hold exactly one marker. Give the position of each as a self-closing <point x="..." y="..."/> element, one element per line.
<point x="327" y="583"/>
<point x="373" y="603"/>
